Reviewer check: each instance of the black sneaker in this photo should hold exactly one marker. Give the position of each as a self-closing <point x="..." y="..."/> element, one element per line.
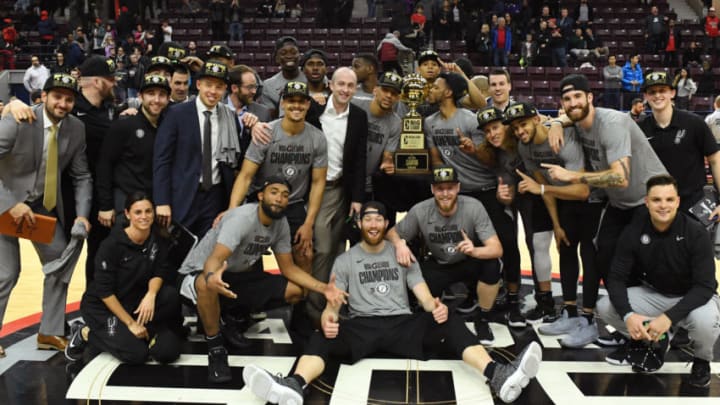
<point x="218" y="368"/>
<point x="272" y="388"/>
<point x="508" y="380"/>
<point x="619" y="356"/>
<point x="467" y="306"/>
<point x="612" y="340"/>
<point x="484" y="333"/>
<point x="514" y="317"/>
<point x="700" y="374"/>
<point x="541" y="314"/>
<point x="233" y="332"/>
<point x="76" y="344"/>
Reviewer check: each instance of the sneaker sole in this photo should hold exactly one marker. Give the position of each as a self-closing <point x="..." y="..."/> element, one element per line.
<point x="517" y="324"/>
<point x="547" y="331"/>
<point x="212" y="378"/>
<point x="264" y="386"/>
<point x="616" y="362"/>
<point x="609" y="342"/>
<point x="526" y="371"/>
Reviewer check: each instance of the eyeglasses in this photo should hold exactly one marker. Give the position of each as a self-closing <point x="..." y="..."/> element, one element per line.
<point x="250" y="87"/>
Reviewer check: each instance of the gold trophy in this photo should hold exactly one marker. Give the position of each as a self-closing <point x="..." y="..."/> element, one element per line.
<point x="411" y="156"/>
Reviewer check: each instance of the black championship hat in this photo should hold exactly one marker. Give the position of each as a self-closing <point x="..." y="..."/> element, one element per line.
<point x="172" y="51"/>
<point x="444" y="174"/>
<point x="428" y="54"/>
<point x="657" y="79"/>
<point x="222" y="51"/>
<point x="574" y="82"/>
<point x="391" y="80"/>
<point x="97" y="65"/>
<point x="61" y="81"/>
<point x="373" y="207"/>
<point x="216" y="70"/>
<point x="155" y="80"/>
<point x="295" y="89"/>
<point x="161" y="62"/>
<point x="518" y="111"/>
<point x="456" y="83"/>
<point x="488" y="115"/>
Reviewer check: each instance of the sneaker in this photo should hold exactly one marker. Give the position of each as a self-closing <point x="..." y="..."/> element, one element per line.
<point x="484" y="333"/>
<point x="272" y="388"/>
<point x="541" y="314"/>
<point x="619" y="356"/>
<point x="582" y="336"/>
<point x="467" y="306"/>
<point x="614" y="339"/>
<point x="561" y="326"/>
<point x="514" y="317"/>
<point x="233" y="330"/>
<point x="700" y="374"/>
<point x="508" y="380"/>
<point x="76" y="345"/>
<point x="218" y="368"/>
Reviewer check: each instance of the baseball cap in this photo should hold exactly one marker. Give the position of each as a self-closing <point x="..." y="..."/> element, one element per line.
<point x="391" y="80"/>
<point x="313" y="52"/>
<point x="444" y="174"/>
<point x="295" y="89"/>
<point x="574" y="82"/>
<point x="275" y="180"/>
<point x="657" y="79"/>
<point x="172" y="51"/>
<point x="60" y="81"/>
<point x="161" y="62"/>
<point x="456" y="83"/>
<point x="220" y="50"/>
<point x="518" y="111"/>
<point x="97" y="65"/>
<point x="216" y="70"/>
<point x="280" y="42"/>
<point x="488" y="115"/>
<point x="373" y="207"/>
<point x="154" y="80"/>
<point x="428" y="54"/>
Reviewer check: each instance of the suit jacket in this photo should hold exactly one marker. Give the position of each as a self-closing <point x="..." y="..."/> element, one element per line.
<point x="264" y="115"/>
<point x="354" y="150"/>
<point x="177" y="158"/>
<point x="21" y="154"/>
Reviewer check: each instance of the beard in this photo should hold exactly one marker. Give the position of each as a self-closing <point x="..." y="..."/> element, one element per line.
<point x="269" y="211"/>
<point x="585" y="110"/>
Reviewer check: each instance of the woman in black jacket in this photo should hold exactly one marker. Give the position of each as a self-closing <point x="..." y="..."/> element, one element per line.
<point x="131" y="312"/>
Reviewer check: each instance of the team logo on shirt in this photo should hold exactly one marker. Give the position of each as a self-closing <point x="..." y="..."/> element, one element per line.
<point x="450" y="249"/>
<point x="645" y="239"/>
<point x="679" y="136"/>
<point x="290" y="171"/>
<point x="447" y="152"/>
<point x="382" y="288"/>
<point x="139" y="133"/>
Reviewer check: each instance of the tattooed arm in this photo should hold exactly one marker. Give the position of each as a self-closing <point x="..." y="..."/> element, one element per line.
<point x="617" y="176"/>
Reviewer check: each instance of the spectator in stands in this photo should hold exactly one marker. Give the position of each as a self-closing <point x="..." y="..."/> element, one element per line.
<point x="673" y="41"/>
<point x="98" y="36"/>
<point x="692" y="57"/>
<point x="218" y="17"/>
<point x="36" y="98"/>
<point x="712" y="31"/>
<point x="706" y="81"/>
<point x="135" y="72"/>
<point x="528" y="51"/>
<point x="192" y="49"/>
<point x="388" y="50"/>
<point x="458" y="20"/>
<point x="36" y="75"/>
<point x="597" y="48"/>
<point x="577" y="47"/>
<point x="543" y="42"/>
<point x="280" y="9"/>
<point x="60" y="65"/>
<point x="296" y="11"/>
<point x="483" y="45"/>
<point x="9" y="33"/>
<point x="166" y="30"/>
<point x="139" y="35"/>
<point x="418" y="21"/>
<point x="445" y="22"/>
<point x="236" y="28"/>
<point x="544" y="15"/>
<point x="429" y="11"/>
<point x="632" y="79"/>
<point x="685" y="87"/>
<point x="654" y="31"/>
<point x="557" y="44"/>
<point x="637" y="110"/>
<point x="612" y="78"/>
<point x="713" y="120"/>
<point x="583" y="14"/>
<point x="46" y="28"/>
<point x="501" y="43"/>
<point x="565" y="22"/>
<point x="125" y="23"/>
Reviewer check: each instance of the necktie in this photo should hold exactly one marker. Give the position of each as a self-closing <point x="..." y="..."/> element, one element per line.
<point x="51" y="167"/>
<point x="207" y="153"/>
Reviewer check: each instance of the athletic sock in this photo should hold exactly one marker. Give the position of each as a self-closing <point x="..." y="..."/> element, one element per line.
<point x="489" y="370"/>
<point x="589" y="316"/>
<point x="299" y="379"/>
<point x="484" y="315"/>
<point x="214" y="342"/>
<point x="546" y="298"/>
<point x="513" y="298"/>
<point x="571" y="310"/>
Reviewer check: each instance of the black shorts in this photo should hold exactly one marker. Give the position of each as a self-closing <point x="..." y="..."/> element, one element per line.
<point x="470" y="271"/>
<point x="403" y="335"/>
<point x="541" y="221"/>
<point x="256" y="291"/>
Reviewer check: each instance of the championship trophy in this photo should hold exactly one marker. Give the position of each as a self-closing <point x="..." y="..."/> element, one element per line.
<point x="411" y="156"/>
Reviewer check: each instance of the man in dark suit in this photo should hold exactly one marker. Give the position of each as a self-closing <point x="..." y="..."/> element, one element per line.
<point x="32" y="155"/>
<point x="196" y="152"/>
<point x="243" y="90"/>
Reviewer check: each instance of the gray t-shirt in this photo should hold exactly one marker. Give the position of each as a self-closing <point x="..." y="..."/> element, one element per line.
<point x="240" y="230"/>
<point x="383" y="136"/>
<point x="441" y="133"/>
<point x="570" y="157"/>
<point x="613" y="136"/>
<point x="290" y="156"/>
<point x="442" y="234"/>
<point x="377" y="285"/>
<point x="273" y="87"/>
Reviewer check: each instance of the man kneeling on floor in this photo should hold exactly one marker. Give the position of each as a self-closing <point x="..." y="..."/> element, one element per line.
<point x="227" y="256"/>
<point x="672" y="255"/>
<point x="380" y="318"/>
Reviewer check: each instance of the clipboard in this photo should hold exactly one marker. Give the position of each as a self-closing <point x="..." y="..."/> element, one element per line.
<point x="43" y="231"/>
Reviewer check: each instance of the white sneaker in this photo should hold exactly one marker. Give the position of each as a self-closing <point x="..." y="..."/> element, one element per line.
<point x="271" y="388"/>
<point x="561" y="326"/>
<point x="582" y="336"/>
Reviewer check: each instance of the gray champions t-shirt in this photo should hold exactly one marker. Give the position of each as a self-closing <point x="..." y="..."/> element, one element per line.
<point x="442" y="234"/>
<point x="570" y="157"/>
<point x="613" y="136"/>
<point x="377" y="284"/>
<point x="240" y="230"/>
<point x="441" y="133"/>
<point x="383" y="136"/>
<point x="292" y="157"/>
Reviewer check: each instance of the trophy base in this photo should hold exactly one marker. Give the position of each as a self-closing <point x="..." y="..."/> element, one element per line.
<point x="412" y="161"/>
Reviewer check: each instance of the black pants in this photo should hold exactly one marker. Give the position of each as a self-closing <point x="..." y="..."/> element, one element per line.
<point x="110" y="335"/>
<point x="470" y="271"/>
<point x="580" y="220"/>
<point x="206" y="205"/>
<point x="403" y="335"/>
<point x="612" y="223"/>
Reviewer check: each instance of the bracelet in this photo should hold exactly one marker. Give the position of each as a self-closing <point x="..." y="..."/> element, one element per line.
<point x="207" y="276"/>
<point x="625" y="318"/>
<point x="542" y="190"/>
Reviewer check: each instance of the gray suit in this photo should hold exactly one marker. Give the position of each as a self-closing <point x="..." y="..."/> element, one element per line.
<point x="21" y="155"/>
